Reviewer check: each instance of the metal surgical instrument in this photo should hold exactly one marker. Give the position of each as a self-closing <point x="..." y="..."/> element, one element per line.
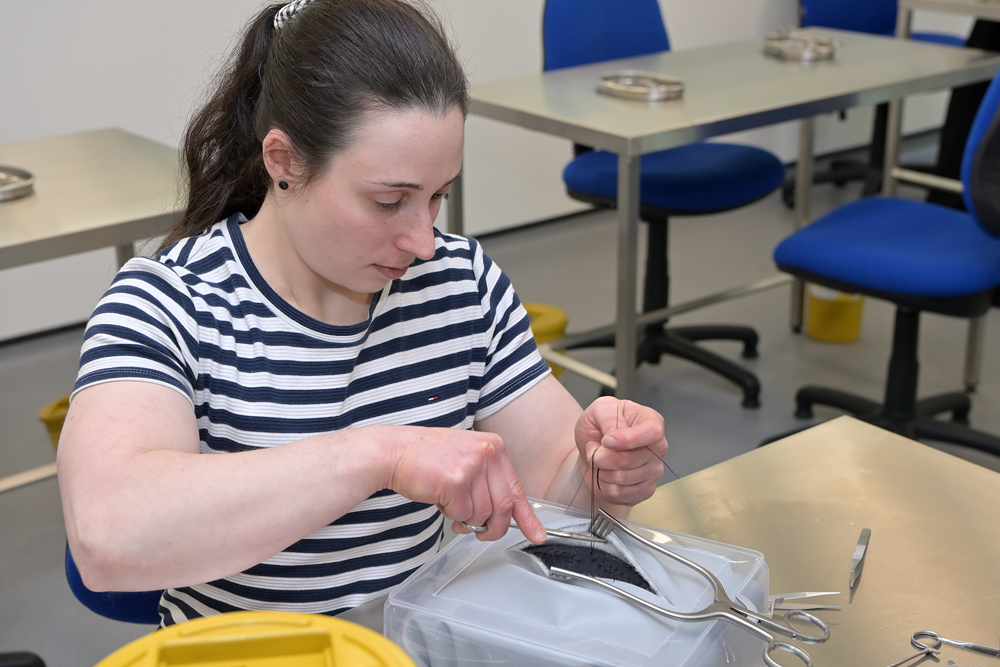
<point x="722" y="608"/>
<point x="918" y="654"/>
<point x="936" y="640"/>
<point x="548" y="531"/>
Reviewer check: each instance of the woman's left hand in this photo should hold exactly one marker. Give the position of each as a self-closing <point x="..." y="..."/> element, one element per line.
<point x="624" y="443"/>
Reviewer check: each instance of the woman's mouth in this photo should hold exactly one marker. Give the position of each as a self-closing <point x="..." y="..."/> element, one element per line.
<point x="390" y="272"/>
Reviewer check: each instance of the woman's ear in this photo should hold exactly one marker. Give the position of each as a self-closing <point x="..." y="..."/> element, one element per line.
<point x="279" y="158"/>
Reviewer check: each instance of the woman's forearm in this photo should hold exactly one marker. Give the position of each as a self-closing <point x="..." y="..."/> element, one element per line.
<point x="166" y="518"/>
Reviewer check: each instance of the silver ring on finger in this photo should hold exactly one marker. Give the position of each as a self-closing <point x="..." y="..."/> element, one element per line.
<point x="475" y="529"/>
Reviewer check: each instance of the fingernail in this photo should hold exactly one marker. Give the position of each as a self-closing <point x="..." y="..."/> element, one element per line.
<point x="609" y="442"/>
<point x="540" y="535"/>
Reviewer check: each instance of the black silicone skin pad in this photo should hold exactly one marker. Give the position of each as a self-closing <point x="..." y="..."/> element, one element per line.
<point x="586" y="560"/>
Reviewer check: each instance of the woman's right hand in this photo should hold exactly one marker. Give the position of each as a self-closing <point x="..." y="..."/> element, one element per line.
<point x="467" y="474"/>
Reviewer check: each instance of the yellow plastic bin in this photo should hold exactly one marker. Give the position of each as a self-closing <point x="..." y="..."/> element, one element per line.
<point x="261" y="639"/>
<point x="832" y="316"/>
<point x="548" y="323"/>
<point x="53" y="416"/>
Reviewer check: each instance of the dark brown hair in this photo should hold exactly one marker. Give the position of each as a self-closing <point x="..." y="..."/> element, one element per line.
<point x="314" y="79"/>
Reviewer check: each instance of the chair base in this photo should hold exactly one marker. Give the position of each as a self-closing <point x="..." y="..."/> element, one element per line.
<point x="922" y="425"/>
<point x="680" y="342"/>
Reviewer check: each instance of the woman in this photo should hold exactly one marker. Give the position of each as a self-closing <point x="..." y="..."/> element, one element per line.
<point x="363" y="373"/>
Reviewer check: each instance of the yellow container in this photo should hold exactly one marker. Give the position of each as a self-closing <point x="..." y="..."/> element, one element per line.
<point x="53" y="416"/>
<point x="261" y="639"/>
<point x="548" y="323"/>
<point x="832" y="316"/>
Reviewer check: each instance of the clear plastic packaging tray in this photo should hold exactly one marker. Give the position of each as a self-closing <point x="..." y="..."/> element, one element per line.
<point x="469" y="605"/>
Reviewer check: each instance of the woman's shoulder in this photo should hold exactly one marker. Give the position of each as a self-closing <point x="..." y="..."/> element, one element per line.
<point x="190" y="269"/>
<point x="194" y="253"/>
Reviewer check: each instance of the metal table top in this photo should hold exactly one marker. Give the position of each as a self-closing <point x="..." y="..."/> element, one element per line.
<point x="802" y="502"/>
<point x="92" y="190"/>
<point x="727" y="88"/>
<point x="984" y="9"/>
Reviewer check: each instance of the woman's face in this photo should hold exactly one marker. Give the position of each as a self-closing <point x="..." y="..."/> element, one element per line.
<point x="361" y="223"/>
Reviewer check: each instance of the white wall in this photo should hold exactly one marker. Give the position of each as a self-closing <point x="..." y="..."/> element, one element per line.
<point x="140" y="66"/>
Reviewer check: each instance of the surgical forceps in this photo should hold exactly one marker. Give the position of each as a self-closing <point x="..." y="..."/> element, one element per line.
<point x="722" y="608"/>
<point x="548" y="531"/>
<point x="936" y="640"/>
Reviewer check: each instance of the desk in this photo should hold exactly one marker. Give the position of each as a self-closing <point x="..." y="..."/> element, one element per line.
<point x="92" y="190"/>
<point x="728" y="88"/>
<point x="802" y="502"/>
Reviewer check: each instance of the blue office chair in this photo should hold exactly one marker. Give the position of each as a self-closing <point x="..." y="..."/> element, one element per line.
<point x="921" y="257"/>
<point x="876" y="17"/>
<point x="140" y="607"/>
<point x="689" y="180"/>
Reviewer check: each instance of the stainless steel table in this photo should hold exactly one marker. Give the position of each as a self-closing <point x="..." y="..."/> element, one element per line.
<point x="802" y="502"/>
<point x="92" y="190"/>
<point x="729" y="87"/>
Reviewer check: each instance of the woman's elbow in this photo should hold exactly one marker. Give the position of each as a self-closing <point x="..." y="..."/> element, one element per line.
<point x="99" y="568"/>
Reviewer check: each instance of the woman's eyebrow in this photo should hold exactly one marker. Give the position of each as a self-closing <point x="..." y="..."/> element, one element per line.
<point x="398" y="184"/>
<point x="408" y="185"/>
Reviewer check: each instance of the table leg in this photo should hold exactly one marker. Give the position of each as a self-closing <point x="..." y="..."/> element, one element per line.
<point x="893" y="131"/>
<point x="628" y="236"/>
<point x="894" y="126"/>
<point x="974" y="352"/>
<point x="456" y="208"/>
<point x="124" y="253"/>
<point x="904" y="21"/>
<point x="803" y="193"/>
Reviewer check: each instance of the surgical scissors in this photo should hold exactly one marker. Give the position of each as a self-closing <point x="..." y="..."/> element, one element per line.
<point x="936" y="640"/>
<point x="722" y="608"/>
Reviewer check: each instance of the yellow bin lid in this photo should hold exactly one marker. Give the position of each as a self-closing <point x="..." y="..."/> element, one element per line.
<point x="261" y="639"/>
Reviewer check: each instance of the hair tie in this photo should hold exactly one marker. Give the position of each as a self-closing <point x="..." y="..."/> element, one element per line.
<point x="288" y="12"/>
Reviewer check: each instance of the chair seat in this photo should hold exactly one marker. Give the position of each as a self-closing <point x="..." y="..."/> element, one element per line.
<point x="693" y="179"/>
<point x="890" y="245"/>
<point x="938" y="38"/>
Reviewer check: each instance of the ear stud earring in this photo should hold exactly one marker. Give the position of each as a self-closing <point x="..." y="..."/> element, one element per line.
<point x="283" y="185"/>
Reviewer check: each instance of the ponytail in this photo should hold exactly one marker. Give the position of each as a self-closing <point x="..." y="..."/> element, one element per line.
<point x="220" y="150"/>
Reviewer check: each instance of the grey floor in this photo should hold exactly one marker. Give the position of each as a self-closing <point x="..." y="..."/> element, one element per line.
<point x="569" y="264"/>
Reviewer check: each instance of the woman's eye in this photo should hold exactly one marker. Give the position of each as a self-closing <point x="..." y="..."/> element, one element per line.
<point x="439" y="195"/>
<point x="391" y="206"/>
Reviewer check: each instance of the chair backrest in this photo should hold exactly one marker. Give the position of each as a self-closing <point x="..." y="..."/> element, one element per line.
<point x="981" y="162"/>
<point x="873" y="16"/>
<point x="580" y="32"/>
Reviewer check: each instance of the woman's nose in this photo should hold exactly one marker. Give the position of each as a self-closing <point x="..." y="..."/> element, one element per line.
<point x="418" y="240"/>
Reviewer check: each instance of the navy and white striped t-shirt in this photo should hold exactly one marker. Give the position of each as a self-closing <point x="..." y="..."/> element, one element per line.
<point x="444" y="346"/>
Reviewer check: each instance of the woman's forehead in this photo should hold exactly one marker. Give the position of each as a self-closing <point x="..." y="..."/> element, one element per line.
<point x="388" y="145"/>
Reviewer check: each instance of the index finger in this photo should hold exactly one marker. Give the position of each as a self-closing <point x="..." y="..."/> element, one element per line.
<point x="529" y="524"/>
<point x="527" y="521"/>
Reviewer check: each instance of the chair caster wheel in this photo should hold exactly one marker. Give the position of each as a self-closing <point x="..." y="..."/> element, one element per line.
<point x="751" y="402"/>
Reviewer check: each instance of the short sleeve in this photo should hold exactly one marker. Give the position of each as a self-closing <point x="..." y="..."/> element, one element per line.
<point x="144" y="328"/>
<point x="513" y="364"/>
